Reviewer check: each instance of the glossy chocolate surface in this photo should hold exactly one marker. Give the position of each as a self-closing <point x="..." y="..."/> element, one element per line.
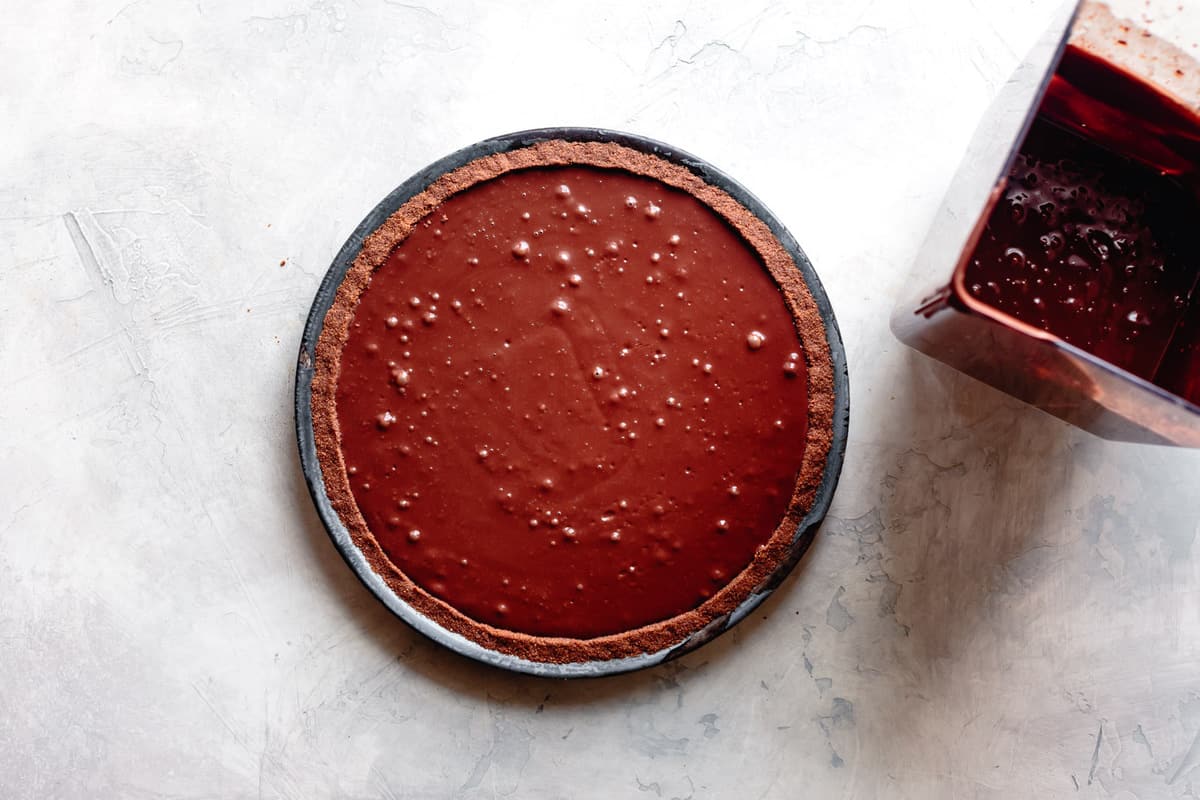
<point x="572" y="402"/>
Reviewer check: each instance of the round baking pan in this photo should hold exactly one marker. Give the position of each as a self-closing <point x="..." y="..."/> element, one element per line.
<point x="341" y="536"/>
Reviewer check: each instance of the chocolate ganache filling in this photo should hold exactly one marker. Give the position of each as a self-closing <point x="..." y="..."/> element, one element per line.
<point x="572" y="402"/>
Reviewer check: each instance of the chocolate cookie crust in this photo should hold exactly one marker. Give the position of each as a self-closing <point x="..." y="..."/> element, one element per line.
<point x="808" y="324"/>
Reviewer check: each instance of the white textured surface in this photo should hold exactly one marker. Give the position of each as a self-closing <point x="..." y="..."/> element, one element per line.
<point x="999" y="606"/>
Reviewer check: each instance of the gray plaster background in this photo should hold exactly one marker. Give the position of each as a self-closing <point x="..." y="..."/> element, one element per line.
<point x="999" y="606"/>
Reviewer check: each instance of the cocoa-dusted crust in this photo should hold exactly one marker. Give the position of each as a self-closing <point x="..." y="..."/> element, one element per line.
<point x="809" y="326"/>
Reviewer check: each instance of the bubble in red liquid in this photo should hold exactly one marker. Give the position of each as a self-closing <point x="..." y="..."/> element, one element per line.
<point x="1014" y="258"/>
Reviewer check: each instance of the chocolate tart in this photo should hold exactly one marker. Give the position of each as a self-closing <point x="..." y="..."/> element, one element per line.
<point x="571" y="402"/>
